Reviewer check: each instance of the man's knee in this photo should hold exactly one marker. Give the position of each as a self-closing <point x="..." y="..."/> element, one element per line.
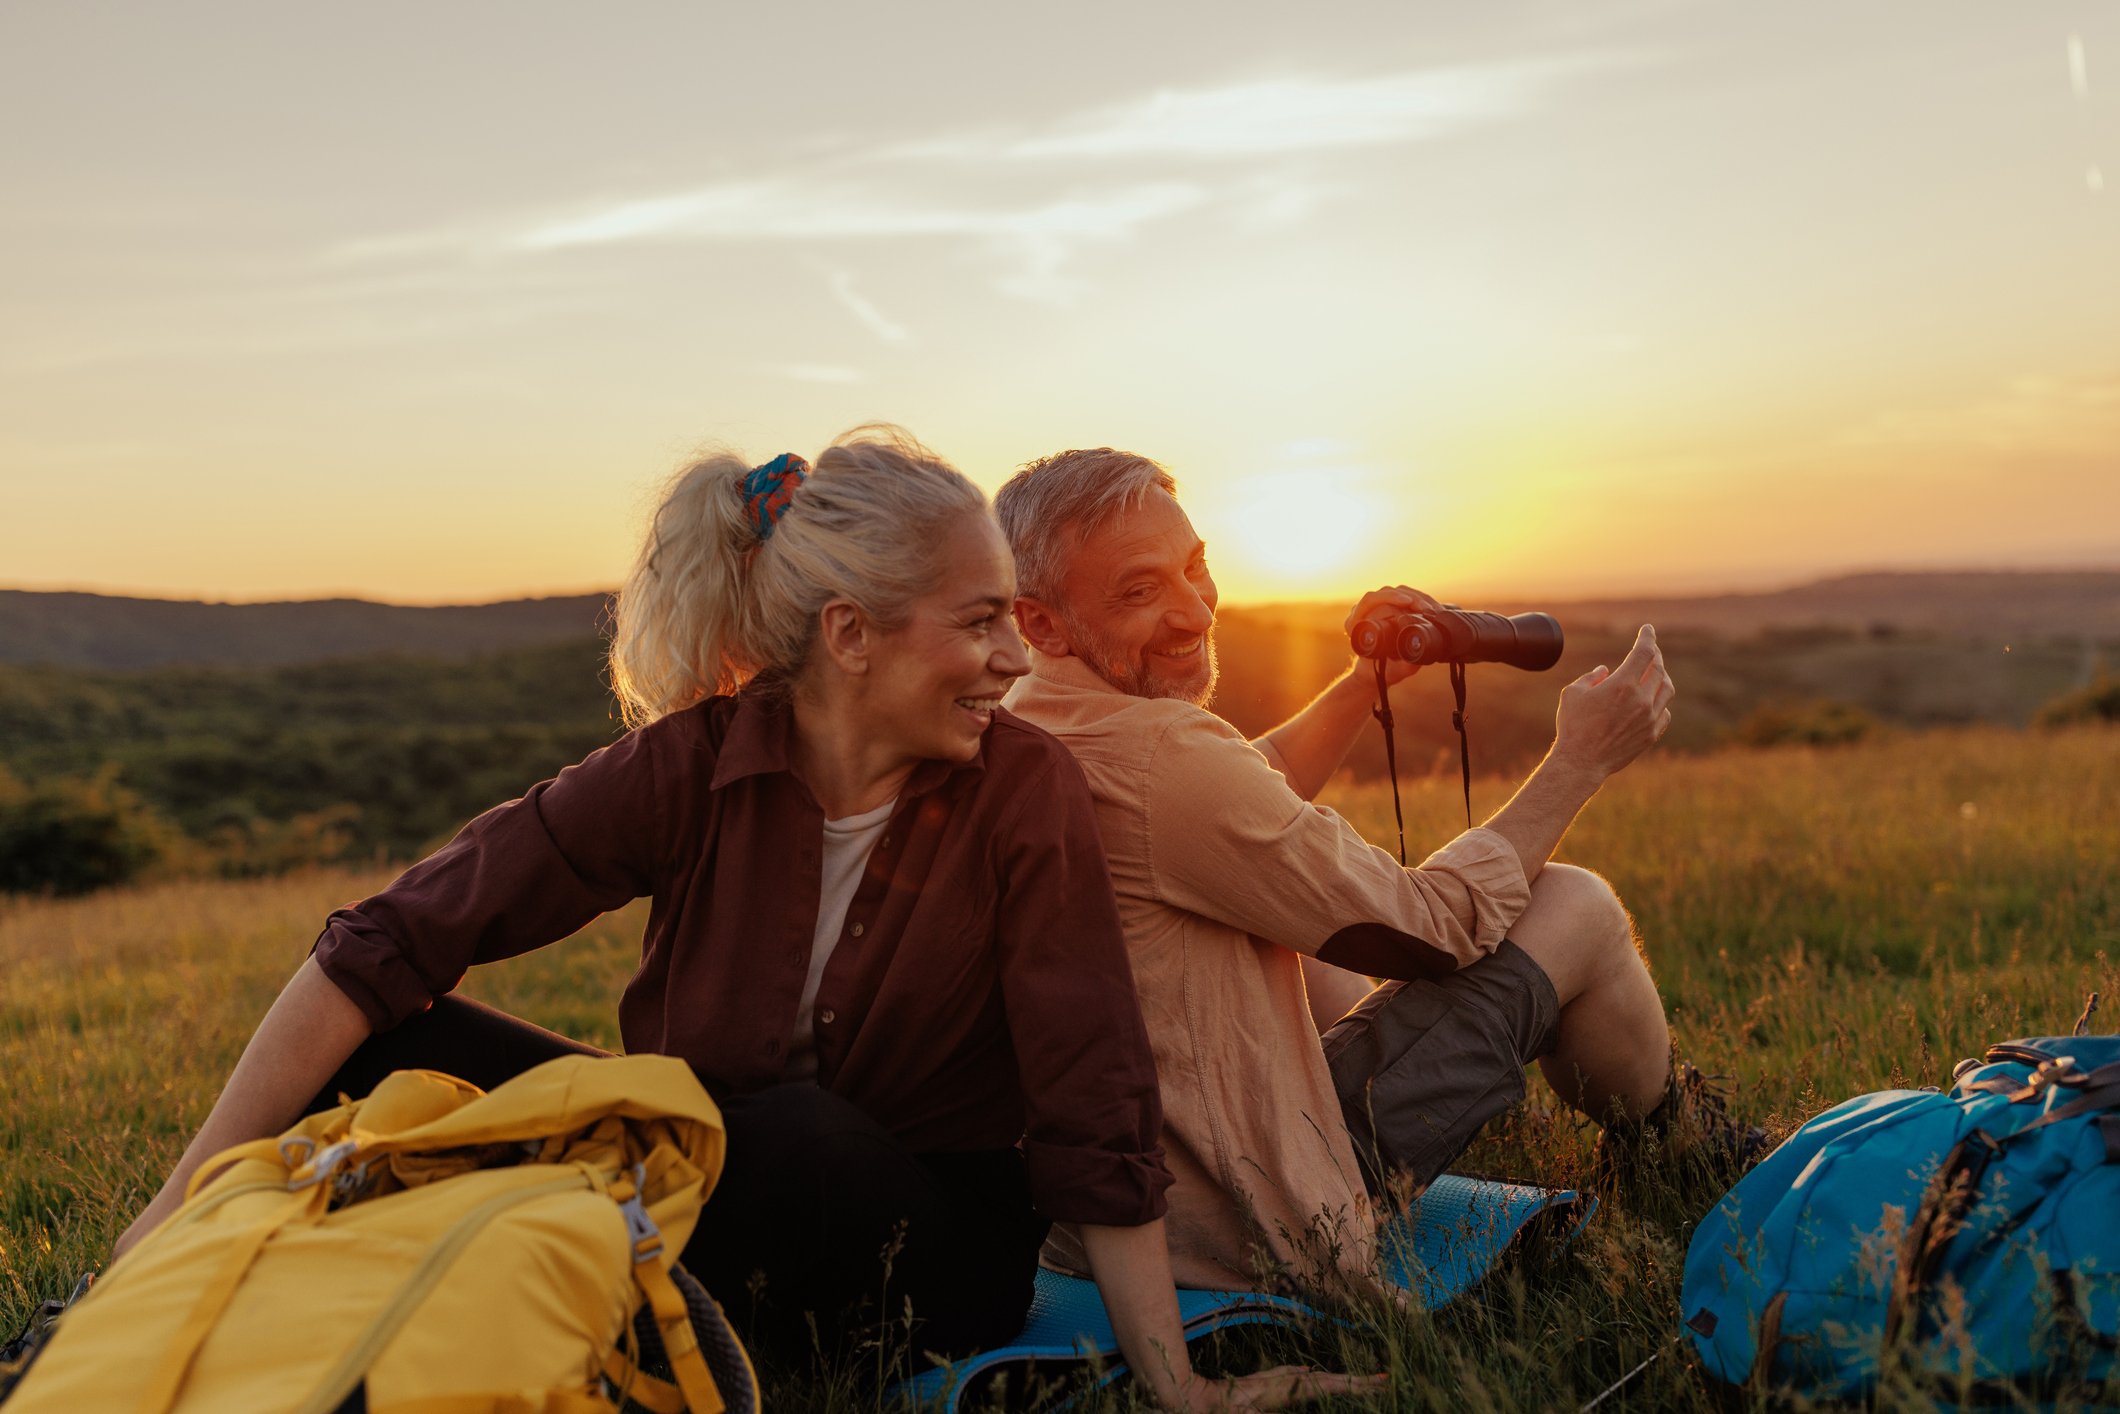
<point x="1576" y="928"/>
<point x="1574" y="901"/>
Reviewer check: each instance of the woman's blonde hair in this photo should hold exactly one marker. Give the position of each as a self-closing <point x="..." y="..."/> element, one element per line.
<point x="709" y="607"/>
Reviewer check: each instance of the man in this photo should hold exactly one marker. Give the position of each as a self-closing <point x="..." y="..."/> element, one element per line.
<point x="1255" y="919"/>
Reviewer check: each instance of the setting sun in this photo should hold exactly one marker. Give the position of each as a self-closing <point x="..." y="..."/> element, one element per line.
<point x="1298" y="523"/>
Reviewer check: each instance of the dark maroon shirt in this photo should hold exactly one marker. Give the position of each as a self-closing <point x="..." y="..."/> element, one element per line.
<point x="979" y="994"/>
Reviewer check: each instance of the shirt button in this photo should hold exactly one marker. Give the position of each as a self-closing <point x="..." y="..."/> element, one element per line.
<point x="858" y="930"/>
<point x="797" y="959"/>
<point x="825" y="1016"/>
<point x="772" y="1048"/>
<point x="885" y="843"/>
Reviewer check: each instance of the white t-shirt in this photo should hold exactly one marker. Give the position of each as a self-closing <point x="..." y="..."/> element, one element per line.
<point x="847" y="844"/>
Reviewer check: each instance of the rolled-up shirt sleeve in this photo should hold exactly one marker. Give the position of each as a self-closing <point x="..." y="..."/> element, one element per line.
<point x="521" y="875"/>
<point x="1228" y="839"/>
<point x="1093" y="1113"/>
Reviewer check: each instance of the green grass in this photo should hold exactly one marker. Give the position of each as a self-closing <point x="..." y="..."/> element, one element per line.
<point x="1822" y="922"/>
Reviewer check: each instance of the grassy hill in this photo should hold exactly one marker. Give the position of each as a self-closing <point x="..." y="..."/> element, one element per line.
<point x="354" y="758"/>
<point x="107" y="631"/>
<point x="1993" y="605"/>
<point x="248" y="767"/>
<point x="1273" y="661"/>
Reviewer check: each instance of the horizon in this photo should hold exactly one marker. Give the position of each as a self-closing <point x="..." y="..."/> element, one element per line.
<point x="1640" y="298"/>
<point x="1762" y="589"/>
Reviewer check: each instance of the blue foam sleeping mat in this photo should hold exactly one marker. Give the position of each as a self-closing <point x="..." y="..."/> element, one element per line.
<point x="1451" y="1237"/>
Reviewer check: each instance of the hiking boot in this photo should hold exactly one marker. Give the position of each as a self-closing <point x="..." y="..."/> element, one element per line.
<point x="1691" y="1131"/>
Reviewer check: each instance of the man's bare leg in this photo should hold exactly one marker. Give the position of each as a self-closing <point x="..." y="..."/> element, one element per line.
<point x="1613" y="1042"/>
<point x="1614" y="1046"/>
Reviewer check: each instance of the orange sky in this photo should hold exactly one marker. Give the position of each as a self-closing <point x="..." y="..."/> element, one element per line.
<point x="1529" y="298"/>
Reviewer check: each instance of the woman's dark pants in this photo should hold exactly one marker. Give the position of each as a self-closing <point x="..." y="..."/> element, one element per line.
<point x="812" y="1196"/>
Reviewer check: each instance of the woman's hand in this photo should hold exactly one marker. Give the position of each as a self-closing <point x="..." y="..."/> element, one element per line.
<point x="1132" y="1268"/>
<point x="1273" y="1389"/>
<point x="310" y="1031"/>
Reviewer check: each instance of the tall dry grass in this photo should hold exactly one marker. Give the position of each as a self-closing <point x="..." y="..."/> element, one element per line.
<point x="1825" y="921"/>
<point x="1821" y="923"/>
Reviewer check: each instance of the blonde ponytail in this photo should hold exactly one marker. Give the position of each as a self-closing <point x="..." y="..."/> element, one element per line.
<point x="709" y="607"/>
<point x="677" y="634"/>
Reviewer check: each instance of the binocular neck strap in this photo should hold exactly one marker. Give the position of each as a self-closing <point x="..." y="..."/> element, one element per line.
<point x="1457" y="719"/>
<point x="1382" y="712"/>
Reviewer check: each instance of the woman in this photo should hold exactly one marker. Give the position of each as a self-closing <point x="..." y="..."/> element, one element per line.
<point x="882" y="931"/>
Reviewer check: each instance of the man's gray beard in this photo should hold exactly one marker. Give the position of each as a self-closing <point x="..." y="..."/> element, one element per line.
<point x="1136" y="679"/>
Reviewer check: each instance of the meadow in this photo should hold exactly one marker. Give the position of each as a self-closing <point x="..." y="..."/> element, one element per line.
<point x="1822" y="921"/>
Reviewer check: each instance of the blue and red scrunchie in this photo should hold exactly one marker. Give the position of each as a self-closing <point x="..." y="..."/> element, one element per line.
<point x="768" y="489"/>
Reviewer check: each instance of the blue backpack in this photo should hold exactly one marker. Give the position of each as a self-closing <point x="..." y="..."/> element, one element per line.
<point x="1965" y="1243"/>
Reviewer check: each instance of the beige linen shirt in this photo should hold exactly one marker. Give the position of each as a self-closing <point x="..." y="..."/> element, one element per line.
<point x="1223" y="875"/>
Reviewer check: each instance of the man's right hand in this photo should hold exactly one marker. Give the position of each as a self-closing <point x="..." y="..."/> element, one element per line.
<point x="1609" y="718"/>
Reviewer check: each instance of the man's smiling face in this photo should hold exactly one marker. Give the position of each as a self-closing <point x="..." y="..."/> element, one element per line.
<point x="1140" y="604"/>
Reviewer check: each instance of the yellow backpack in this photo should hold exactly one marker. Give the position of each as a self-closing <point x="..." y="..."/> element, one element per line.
<point x="431" y="1249"/>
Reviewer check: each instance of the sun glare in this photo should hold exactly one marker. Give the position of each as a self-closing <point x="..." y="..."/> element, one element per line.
<point x="1297" y="523"/>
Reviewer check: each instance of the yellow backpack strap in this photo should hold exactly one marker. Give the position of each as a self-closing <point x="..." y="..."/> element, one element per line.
<point x="558" y="1401"/>
<point x="162" y="1390"/>
<point x="642" y="1388"/>
<point x="672" y="1317"/>
<point x="212" y="1168"/>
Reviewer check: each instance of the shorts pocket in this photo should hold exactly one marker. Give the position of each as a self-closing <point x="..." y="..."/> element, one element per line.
<point x="1418" y="1071"/>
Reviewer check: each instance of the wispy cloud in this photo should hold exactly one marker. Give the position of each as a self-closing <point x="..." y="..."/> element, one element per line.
<point x="865" y="194"/>
<point x="1278" y="116"/>
<point x="842" y="285"/>
<point x="1038" y="238"/>
<point x="799" y="209"/>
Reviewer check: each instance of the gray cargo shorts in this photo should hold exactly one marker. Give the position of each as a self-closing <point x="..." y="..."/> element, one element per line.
<point x="1420" y="1066"/>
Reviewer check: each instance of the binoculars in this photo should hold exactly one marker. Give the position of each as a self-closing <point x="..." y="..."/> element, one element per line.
<point x="1452" y="635"/>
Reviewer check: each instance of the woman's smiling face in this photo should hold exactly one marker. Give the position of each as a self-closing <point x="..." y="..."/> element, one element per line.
<point x="934" y="683"/>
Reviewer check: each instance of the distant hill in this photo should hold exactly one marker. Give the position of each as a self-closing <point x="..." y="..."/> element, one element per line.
<point x="1915" y="650"/>
<point x="1997" y="606"/>
<point x="105" y="631"/>
<point x="260" y="736"/>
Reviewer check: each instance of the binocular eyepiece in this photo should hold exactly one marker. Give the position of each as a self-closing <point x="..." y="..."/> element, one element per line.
<point x="1452" y="635"/>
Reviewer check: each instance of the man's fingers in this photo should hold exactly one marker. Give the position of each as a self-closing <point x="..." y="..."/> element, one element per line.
<point x="1663" y="724"/>
<point x="1640" y="657"/>
<point x="1396" y="598"/>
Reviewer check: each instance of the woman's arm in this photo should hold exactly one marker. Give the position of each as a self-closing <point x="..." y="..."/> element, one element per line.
<point x="1132" y="1268"/>
<point x="310" y="1031"/>
<point x="517" y="877"/>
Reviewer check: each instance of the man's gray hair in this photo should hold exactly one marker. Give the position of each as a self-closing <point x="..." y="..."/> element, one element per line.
<point x="1068" y="495"/>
